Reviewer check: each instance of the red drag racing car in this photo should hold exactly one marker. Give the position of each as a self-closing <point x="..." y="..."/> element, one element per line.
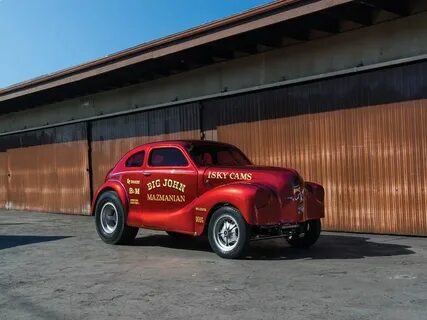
<point x="206" y="188"/>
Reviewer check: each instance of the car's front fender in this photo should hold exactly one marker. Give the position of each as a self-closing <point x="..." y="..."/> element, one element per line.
<point x="242" y="196"/>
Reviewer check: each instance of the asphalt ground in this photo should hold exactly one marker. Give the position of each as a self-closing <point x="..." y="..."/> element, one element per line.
<point x="55" y="267"/>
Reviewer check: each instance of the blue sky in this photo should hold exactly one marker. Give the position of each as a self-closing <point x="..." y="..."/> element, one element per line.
<point x="42" y="36"/>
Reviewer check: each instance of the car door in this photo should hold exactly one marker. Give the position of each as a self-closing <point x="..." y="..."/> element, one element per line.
<point x="170" y="185"/>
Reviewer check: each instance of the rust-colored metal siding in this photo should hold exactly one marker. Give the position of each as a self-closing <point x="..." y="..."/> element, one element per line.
<point x="3" y="179"/>
<point x="112" y="138"/>
<point x="374" y="174"/>
<point x="360" y="136"/>
<point x="48" y="171"/>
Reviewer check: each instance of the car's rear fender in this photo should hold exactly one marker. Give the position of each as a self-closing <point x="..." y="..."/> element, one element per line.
<point x="242" y="196"/>
<point x="111" y="185"/>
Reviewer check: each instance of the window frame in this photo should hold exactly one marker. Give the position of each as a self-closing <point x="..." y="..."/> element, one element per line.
<point x="133" y="155"/>
<point x="183" y="153"/>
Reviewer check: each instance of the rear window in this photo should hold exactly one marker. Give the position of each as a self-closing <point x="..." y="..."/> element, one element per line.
<point x="135" y="160"/>
<point x="167" y="157"/>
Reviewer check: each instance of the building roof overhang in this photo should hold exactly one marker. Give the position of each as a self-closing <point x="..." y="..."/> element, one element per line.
<point x="274" y="25"/>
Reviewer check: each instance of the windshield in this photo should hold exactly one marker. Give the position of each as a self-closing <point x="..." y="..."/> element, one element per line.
<point x="217" y="155"/>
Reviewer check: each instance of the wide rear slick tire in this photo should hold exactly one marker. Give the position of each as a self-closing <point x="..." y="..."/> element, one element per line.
<point x="228" y="233"/>
<point x="308" y="236"/>
<point x="110" y="220"/>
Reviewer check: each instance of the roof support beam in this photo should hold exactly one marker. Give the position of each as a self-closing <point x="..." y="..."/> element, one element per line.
<point x="222" y="56"/>
<point x="220" y="52"/>
<point x="397" y="7"/>
<point x="356" y="13"/>
<point x="274" y="13"/>
<point x="294" y="31"/>
<point x="323" y="23"/>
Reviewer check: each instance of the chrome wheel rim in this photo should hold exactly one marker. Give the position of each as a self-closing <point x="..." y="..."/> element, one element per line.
<point x="109" y="218"/>
<point x="226" y="233"/>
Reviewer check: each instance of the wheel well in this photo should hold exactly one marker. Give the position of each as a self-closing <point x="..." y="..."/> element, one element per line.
<point x="210" y="213"/>
<point x="97" y="197"/>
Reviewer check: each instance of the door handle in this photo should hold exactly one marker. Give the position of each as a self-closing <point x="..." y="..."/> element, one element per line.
<point x="147" y="174"/>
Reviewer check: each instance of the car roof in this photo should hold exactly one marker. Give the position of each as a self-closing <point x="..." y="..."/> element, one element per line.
<point x="181" y="143"/>
<point x="173" y="143"/>
<point x="168" y="143"/>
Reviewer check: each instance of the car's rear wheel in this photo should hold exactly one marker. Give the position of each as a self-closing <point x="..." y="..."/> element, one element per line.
<point x="228" y="233"/>
<point x="307" y="236"/>
<point x="110" y="220"/>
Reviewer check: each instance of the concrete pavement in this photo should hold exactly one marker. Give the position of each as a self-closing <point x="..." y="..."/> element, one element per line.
<point x="55" y="267"/>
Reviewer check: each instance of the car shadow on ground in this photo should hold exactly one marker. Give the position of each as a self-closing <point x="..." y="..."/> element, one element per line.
<point x="330" y="247"/>
<point x="10" y="241"/>
<point x="327" y="247"/>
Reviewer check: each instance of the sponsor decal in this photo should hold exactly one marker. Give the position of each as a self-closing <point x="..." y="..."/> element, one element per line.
<point x="130" y="181"/>
<point x="200" y="219"/>
<point x="200" y="209"/>
<point x="166" y="197"/>
<point x="134" y="191"/>
<point x="229" y="175"/>
<point x="133" y="201"/>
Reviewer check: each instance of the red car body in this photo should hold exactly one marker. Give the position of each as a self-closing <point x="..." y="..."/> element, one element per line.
<point x="182" y="198"/>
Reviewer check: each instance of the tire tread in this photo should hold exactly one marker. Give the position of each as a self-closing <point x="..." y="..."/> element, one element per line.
<point x="241" y="249"/>
<point x="124" y="234"/>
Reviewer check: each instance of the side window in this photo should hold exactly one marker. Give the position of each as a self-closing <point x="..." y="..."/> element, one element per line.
<point x="167" y="157"/>
<point x="135" y="160"/>
<point x="225" y="158"/>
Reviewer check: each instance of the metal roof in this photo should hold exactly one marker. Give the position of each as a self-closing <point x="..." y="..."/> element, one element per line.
<point x="249" y="32"/>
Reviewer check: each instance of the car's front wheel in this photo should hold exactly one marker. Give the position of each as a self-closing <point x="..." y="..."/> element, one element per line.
<point x="110" y="220"/>
<point x="308" y="236"/>
<point x="228" y="233"/>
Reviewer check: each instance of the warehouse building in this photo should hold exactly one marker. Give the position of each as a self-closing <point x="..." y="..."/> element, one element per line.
<point x="334" y="88"/>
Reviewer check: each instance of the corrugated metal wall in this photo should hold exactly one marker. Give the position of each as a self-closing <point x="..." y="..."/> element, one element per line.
<point x="362" y="136"/>
<point x="374" y="175"/>
<point x="48" y="170"/>
<point x="3" y="179"/>
<point x="112" y="138"/>
<point x="346" y="134"/>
